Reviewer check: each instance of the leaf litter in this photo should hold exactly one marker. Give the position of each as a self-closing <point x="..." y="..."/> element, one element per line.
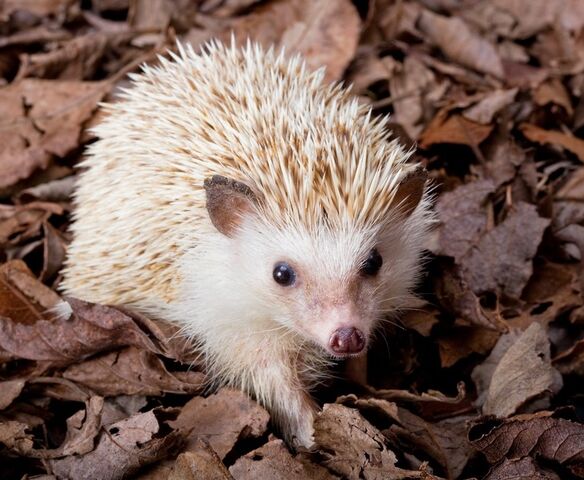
<point x="482" y="380"/>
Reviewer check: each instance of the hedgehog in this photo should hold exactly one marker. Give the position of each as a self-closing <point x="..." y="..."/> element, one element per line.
<point x="267" y="213"/>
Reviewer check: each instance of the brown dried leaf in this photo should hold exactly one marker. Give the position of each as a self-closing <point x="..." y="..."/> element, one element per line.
<point x="553" y="91"/>
<point x="151" y="14"/>
<point x="355" y="449"/>
<point x="206" y="418"/>
<point x="203" y="463"/>
<point x="492" y="103"/>
<point x="36" y="7"/>
<point x="453" y="128"/>
<point x="501" y="260"/>
<point x="28" y="331"/>
<point x="76" y="59"/>
<point x="431" y="396"/>
<point x="274" y="461"/>
<point x="422" y="321"/>
<point x="59" y="190"/>
<point x="552" y="290"/>
<point x="325" y="33"/>
<point x="21" y="297"/>
<point x="443" y="441"/>
<point x="13" y="435"/>
<point x="82" y="428"/>
<point x="132" y="371"/>
<point x="121" y="449"/>
<point x="455" y="295"/>
<point x="9" y="391"/>
<point x="541" y="136"/>
<point x="532" y="16"/>
<point x="574" y="187"/>
<point x="407" y="88"/>
<point x="461" y="341"/>
<point x="463" y="217"/>
<point x="42" y="118"/>
<point x="40" y="34"/>
<point x="536" y="435"/>
<point x="54" y="248"/>
<point x="22" y="222"/>
<point x="522" y="375"/>
<point x="460" y="44"/>
<point x="571" y="361"/>
<point x="367" y="69"/>
<point x="520" y="469"/>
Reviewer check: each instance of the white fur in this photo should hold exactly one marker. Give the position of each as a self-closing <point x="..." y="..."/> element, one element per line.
<point x="143" y="237"/>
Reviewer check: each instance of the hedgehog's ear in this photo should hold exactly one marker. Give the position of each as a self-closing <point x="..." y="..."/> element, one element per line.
<point x="228" y="201"/>
<point x="410" y="190"/>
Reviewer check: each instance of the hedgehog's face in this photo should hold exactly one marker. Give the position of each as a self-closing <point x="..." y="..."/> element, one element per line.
<point x="327" y="287"/>
<point x="330" y="285"/>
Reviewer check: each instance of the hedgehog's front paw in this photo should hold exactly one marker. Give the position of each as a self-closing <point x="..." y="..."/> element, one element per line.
<point x="302" y="435"/>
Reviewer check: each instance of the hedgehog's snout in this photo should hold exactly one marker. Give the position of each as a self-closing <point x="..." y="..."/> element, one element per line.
<point x="347" y="341"/>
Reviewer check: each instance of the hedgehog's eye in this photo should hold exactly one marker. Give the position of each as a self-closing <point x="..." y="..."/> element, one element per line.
<point x="284" y="274"/>
<point x="371" y="266"/>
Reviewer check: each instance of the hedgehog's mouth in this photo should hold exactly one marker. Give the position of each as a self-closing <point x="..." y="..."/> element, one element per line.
<point x="338" y="357"/>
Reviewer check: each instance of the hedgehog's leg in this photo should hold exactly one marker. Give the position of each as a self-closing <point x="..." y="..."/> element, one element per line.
<point x="290" y="405"/>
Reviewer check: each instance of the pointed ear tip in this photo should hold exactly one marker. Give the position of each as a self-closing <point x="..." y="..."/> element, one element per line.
<point x="214" y="180"/>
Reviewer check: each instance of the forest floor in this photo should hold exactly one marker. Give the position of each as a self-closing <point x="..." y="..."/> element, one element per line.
<point x="485" y="380"/>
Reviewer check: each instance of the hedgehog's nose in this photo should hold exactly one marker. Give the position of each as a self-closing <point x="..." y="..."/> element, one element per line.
<point x="347" y="340"/>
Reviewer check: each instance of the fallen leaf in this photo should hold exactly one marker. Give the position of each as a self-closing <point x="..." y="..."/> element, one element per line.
<point x="54" y="249"/>
<point x="552" y="91"/>
<point x="454" y="294"/>
<point x="573" y="189"/>
<point x="407" y="88"/>
<point x="325" y="33"/>
<point x="40" y="34"/>
<point x="36" y="7"/>
<point x="461" y="341"/>
<point x="537" y="435"/>
<point x="532" y="16"/>
<point x="368" y="69"/>
<point x="132" y="371"/>
<point x="42" y="119"/>
<point x="501" y="260"/>
<point x="13" y="435"/>
<point x="492" y="103"/>
<point x="453" y="128"/>
<point x="460" y="44"/>
<point x="206" y="418"/>
<point x="122" y="448"/>
<point x="36" y="334"/>
<point x="59" y="190"/>
<point x="82" y="428"/>
<point x="75" y="59"/>
<point x="552" y="290"/>
<point x="20" y="223"/>
<point x="520" y="469"/>
<point x="274" y="461"/>
<point x="463" y="217"/>
<point x="541" y="136"/>
<point x="22" y="297"/>
<point x="151" y="14"/>
<point x="444" y="441"/>
<point x="422" y="321"/>
<point x="522" y="375"/>
<point x="355" y="449"/>
<point x="9" y="391"/>
<point x="203" y="463"/>
<point x="571" y="361"/>
<point x="431" y="396"/>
